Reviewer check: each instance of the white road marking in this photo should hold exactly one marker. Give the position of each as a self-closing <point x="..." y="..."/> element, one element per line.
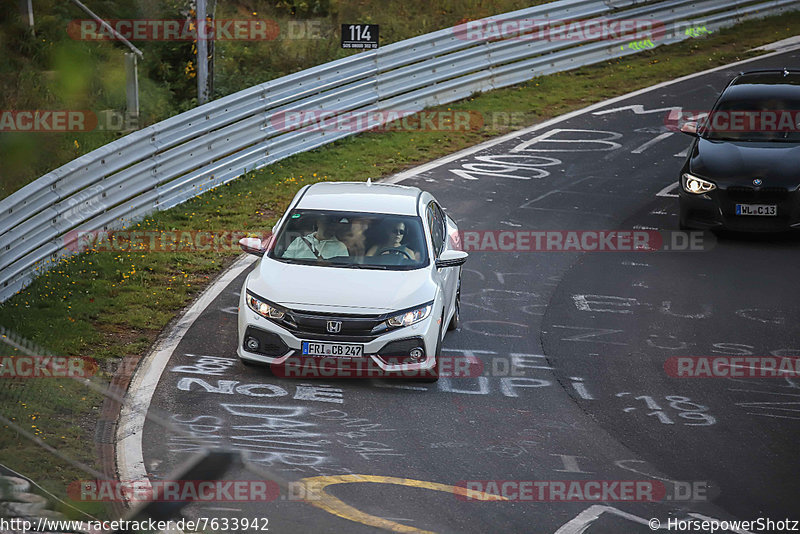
<point x="766" y="392"/>
<point x="581" y="522"/>
<point x="784" y="45"/>
<point x="416" y="171"/>
<point x="706" y="518"/>
<point x="772" y="415"/>
<point x="550" y="136"/>
<point x="638" y="109"/>
<point x="651" y="142"/>
<point x="666" y="191"/>
<point x="130" y="458"/>
<point x="398" y="386"/>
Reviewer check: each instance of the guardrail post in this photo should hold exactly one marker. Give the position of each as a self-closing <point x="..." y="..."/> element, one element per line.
<point x="202" y="53"/>
<point x="132" y="88"/>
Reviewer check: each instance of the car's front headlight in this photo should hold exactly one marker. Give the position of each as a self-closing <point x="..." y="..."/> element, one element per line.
<point x="695" y="185"/>
<point x="411" y="316"/>
<point x="264" y="309"/>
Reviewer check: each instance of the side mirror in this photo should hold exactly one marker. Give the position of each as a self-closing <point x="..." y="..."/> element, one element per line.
<point x="252" y="245"/>
<point x="689" y="128"/>
<point x="451" y="258"/>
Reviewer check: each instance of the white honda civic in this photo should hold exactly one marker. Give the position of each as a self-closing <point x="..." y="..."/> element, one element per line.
<point x="354" y="272"/>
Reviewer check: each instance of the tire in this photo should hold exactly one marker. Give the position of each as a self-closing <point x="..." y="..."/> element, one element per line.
<point x="437" y="367"/>
<point x="456" y="319"/>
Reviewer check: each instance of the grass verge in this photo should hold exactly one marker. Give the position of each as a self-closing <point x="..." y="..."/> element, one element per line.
<point x="111" y="304"/>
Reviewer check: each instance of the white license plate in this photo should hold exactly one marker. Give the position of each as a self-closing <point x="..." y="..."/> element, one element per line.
<point x="332" y="350"/>
<point x="757" y="209"/>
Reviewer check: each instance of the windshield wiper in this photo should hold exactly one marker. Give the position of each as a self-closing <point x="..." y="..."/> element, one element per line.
<point x="361" y="266"/>
<point x="346" y="265"/>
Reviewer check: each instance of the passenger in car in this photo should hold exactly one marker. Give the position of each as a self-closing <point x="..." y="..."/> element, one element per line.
<point x="390" y="237"/>
<point x="321" y="244"/>
<point x="353" y="235"/>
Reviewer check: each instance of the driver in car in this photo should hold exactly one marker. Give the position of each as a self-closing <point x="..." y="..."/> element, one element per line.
<point x="391" y="239"/>
<point x="320" y="244"/>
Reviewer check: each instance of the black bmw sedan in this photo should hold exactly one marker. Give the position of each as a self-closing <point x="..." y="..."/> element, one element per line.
<point x="743" y="169"/>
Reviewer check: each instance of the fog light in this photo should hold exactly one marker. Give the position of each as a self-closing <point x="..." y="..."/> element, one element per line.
<point x="251" y="343"/>
<point x="416" y="355"/>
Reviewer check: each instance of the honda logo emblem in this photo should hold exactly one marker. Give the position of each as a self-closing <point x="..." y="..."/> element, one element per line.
<point x="334" y="327"/>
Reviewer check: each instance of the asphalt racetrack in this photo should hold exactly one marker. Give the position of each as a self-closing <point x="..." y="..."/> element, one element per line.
<point x="586" y="334"/>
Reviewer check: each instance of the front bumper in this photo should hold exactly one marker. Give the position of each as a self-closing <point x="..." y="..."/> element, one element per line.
<point x="717" y="209"/>
<point x="284" y="345"/>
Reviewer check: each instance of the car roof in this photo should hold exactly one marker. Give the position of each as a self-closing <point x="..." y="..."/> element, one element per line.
<point x="779" y="84"/>
<point x="361" y="196"/>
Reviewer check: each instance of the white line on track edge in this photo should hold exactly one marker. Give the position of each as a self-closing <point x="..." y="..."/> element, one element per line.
<point x="129" y="454"/>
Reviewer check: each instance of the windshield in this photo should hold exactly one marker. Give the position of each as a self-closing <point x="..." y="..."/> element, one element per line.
<point x="754" y="120"/>
<point x="352" y="240"/>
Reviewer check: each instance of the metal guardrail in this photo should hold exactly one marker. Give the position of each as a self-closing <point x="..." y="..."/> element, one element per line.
<point x="172" y="161"/>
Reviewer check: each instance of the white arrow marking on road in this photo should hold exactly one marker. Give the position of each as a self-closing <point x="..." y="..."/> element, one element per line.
<point x="651" y="142"/>
<point x="666" y="191"/>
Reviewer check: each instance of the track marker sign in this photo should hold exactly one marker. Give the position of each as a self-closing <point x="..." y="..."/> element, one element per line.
<point x="363" y="36"/>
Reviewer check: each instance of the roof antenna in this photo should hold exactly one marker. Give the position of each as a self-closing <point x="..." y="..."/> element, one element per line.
<point x="369" y="182"/>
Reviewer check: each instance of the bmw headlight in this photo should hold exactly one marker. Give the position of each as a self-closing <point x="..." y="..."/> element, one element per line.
<point x="411" y="316"/>
<point x="698" y="186"/>
<point x="264" y="309"/>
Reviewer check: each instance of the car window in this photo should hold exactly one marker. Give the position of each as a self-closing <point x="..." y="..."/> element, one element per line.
<point x="351" y="239"/>
<point x="742" y="119"/>
<point x="436" y="226"/>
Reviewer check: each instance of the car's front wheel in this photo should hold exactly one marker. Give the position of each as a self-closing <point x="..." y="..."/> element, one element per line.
<point x="433" y="374"/>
